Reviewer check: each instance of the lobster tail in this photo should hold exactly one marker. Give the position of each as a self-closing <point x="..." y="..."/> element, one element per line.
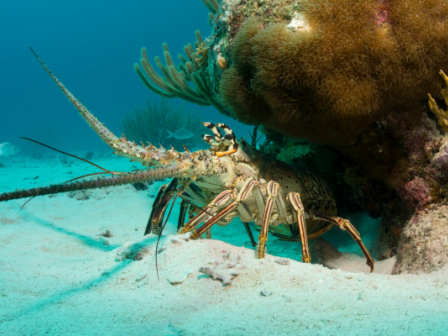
<point x="133" y="177"/>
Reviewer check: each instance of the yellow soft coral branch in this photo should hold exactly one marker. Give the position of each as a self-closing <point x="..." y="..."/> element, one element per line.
<point x="202" y="55"/>
<point x="441" y="114"/>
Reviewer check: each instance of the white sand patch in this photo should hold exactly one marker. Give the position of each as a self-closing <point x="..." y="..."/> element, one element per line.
<point x="58" y="277"/>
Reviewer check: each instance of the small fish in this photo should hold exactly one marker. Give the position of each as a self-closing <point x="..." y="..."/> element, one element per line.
<point x="181" y="134"/>
<point x="7" y="149"/>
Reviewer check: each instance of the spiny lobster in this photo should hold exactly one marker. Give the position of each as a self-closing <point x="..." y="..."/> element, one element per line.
<point x="231" y="179"/>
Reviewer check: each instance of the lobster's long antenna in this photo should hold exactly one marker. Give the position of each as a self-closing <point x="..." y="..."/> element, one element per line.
<point x="197" y="207"/>
<point x="23" y="205"/>
<point x="93" y="174"/>
<point x="57" y="150"/>
<point x="105" y="171"/>
<point x="160" y="234"/>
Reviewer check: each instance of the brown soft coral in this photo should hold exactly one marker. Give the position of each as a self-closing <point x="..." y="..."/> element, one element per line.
<point x="356" y="62"/>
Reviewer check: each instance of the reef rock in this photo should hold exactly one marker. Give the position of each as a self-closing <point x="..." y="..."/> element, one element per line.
<point x="325" y="70"/>
<point x="351" y="79"/>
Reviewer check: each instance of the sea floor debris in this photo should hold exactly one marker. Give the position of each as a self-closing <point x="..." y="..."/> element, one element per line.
<point x="224" y="271"/>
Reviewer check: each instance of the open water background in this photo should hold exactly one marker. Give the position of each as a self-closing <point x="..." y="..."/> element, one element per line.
<point x="91" y="47"/>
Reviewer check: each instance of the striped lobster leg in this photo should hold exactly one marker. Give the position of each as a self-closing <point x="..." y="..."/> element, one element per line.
<point x="224" y="209"/>
<point x="184" y="206"/>
<point x="272" y="191"/>
<point x="345" y="225"/>
<point x="221" y="200"/>
<point x="294" y="199"/>
<point x="164" y="196"/>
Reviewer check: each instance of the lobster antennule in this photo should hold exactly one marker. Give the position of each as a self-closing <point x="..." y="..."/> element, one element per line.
<point x="126" y="178"/>
<point x="148" y="156"/>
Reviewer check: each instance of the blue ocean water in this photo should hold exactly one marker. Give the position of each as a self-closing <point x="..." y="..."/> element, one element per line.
<point x="91" y="47"/>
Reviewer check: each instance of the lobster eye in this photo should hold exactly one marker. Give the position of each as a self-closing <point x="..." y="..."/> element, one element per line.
<point x="228" y="137"/>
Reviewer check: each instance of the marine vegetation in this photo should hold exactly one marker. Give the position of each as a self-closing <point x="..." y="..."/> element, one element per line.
<point x="175" y="82"/>
<point x="227" y="181"/>
<point x="352" y="79"/>
<point x="320" y="70"/>
<point x="154" y="123"/>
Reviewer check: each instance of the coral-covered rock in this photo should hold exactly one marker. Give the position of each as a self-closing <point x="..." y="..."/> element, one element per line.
<point x="340" y="87"/>
<point x="424" y="242"/>
<point x="415" y="192"/>
<point x="325" y="70"/>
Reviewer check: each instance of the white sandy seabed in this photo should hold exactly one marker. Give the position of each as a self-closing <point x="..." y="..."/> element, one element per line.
<point x="58" y="276"/>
